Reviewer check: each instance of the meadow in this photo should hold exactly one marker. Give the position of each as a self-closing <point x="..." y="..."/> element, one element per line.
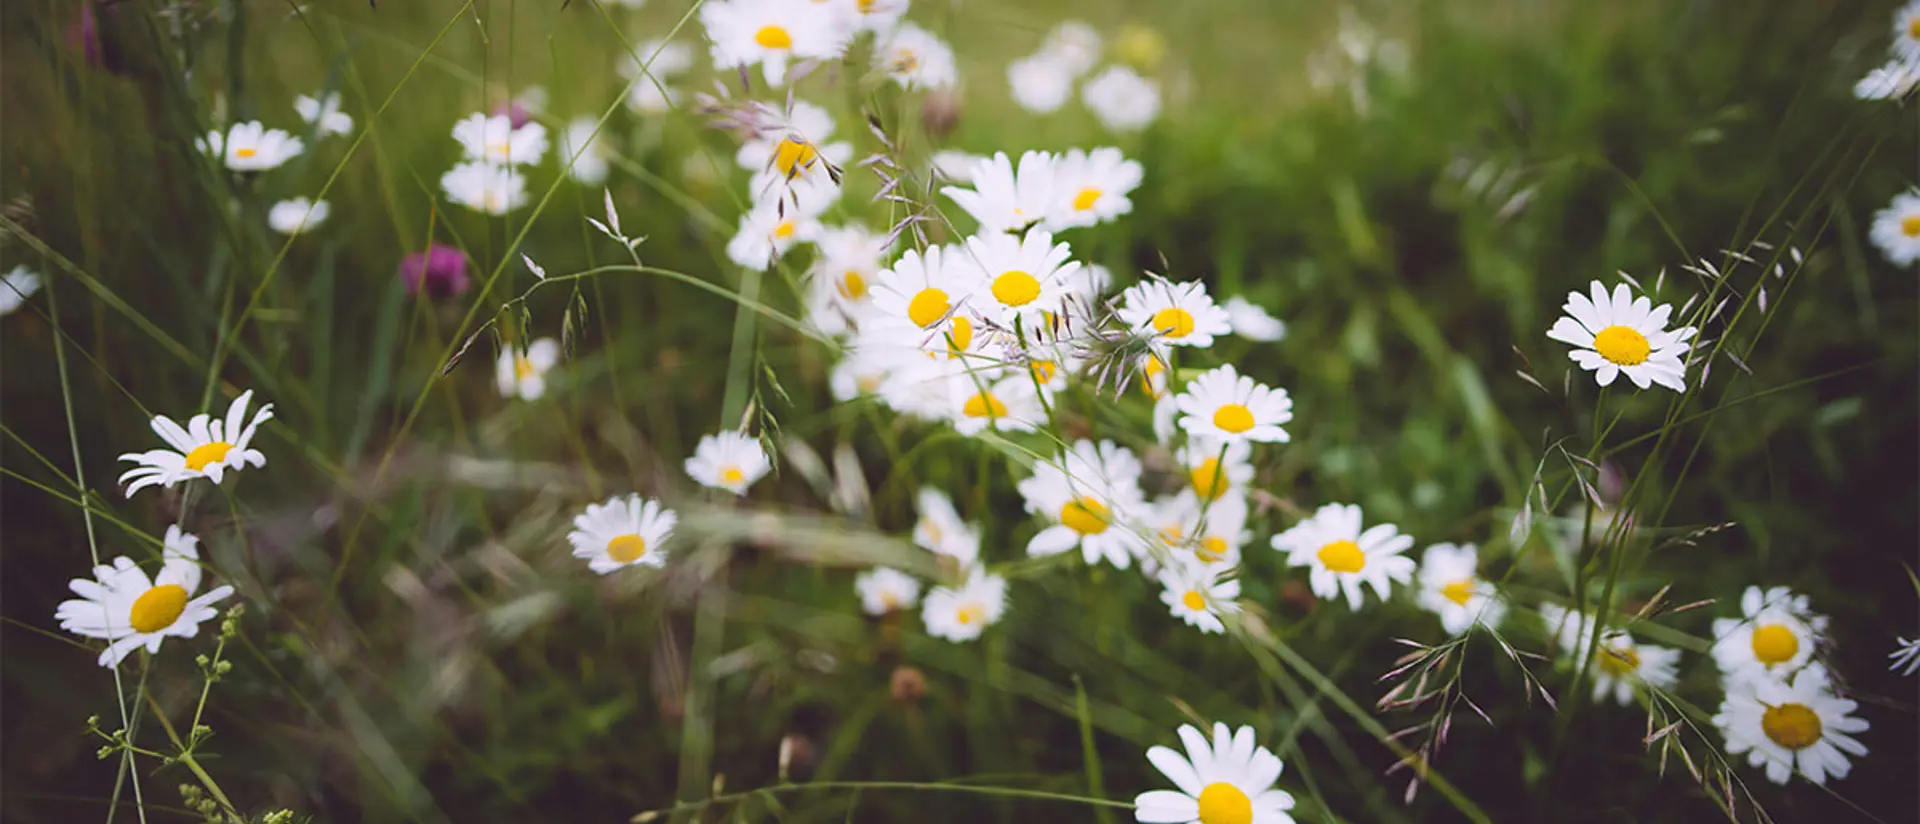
<point x="886" y="595"/>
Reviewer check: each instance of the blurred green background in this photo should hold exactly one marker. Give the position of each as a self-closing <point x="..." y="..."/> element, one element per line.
<point x="419" y="645"/>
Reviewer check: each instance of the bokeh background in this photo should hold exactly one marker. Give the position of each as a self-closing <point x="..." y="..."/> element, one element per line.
<point x="1413" y="187"/>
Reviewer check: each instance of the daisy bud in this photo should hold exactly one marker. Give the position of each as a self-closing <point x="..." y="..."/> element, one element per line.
<point x="908" y="684"/>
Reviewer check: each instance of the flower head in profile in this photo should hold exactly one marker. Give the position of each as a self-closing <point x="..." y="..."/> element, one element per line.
<point x="1905" y="656"/>
<point x="1893" y="81"/>
<point x="1620" y="334"/>
<point x="205" y="448"/>
<point x="324" y="114"/>
<point x="297" y="215"/>
<point x="962" y="613"/>
<point x="883" y="590"/>
<point x="1224" y="406"/>
<point x="1620" y="664"/>
<point x="495" y="140"/>
<point x="1775" y="635"/>
<point x="915" y="58"/>
<point x="1089" y="494"/>
<point x="441" y="271"/>
<point x="795" y="143"/>
<point x="623" y="531"/>
<point x="728" y="460"/>
<point x="772" y="34"/>
<point x="1198" y="594"/>
<point x="1209" y="534"/>
<point x="1341" y="557"/>
<point x="124" y="607"/>
<point x="941" y="531"/>
<point x="768" y="231"/>
<point x="1896" y="229"/>
<point x="485" y="188"/>
<point x="1792" y="725"/>
<point x="1173" y="313"/>
<point x="1227" y="781"/>
<point x="1251" y="321"/>
<point x="251" y="147"/>
<point x="15" y="287"/>
<point x="1451" y="587"/>
<point x="1091" y="187"/>
<point x="1121" y="99"/>
<point x="1005" y="198"/>
<point x="1041" y="83"/>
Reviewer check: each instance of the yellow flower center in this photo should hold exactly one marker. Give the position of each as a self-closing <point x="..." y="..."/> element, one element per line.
<point x="1619" y="663"/>
<point x="1459" y="591"/>
<point x="491" y="201"/>
<point x="1233" y="418"/>
<point x="1044" y="370"/>
<point x="1343" y="556"/>
<point x="732" y="475"/>
<point x="1152" y="372"/>
<point x="208" y="453"/>
<point x="522" y="367"/>
<point x="984" y="405"/>
<point x="969" y="614"/>
<point x="1086" y="198"/>
<point x="1774" y="644"/>
<point x="960" y="336"/>
<point x="793" y="153"/>
<point x="1223" y="803"/>
<point x="1193" y="600"/>
<point x="1085" y="516"/>
<point x="627" y="548"/>
<point x="905" y="62"/>
<point x="1913" y="27"/>
<point x="866" y="6"/>
<point x="1621" y="345"/>
<point x="1015" y="288"/>
<point x="853" y="286"/>
<point x="1910" y="226"/>
<point x="784" y="230"/>
<point x="157" y="608"/>
<point x="1212" y="549"/>
<point x="928" y="307"/>
<point x="773" y="37"/>
<point x="498" y="149"/>
<point x="245" y="151"/>
<point x="889" y="601"/>
<point x="1208" y="480"/>
<point x="1174" y="322"/>
<point x="1793" y="726"/>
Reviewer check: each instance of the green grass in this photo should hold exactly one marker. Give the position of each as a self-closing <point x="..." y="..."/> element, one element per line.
<point x="418" y="645"/>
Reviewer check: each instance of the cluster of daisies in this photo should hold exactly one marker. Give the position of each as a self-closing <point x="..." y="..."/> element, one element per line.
<point x="1118" y="96"/>
<point x="250" y="148"/>
<point x="1896" y="228"/>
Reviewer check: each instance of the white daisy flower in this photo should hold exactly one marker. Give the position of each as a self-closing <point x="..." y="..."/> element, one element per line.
<point x="1174" y="314"/>
<point x="1041" y="83"/>
<point x="624" y="531"/>
<point x="884" y="590"/>
<point x="767" y="231"/>
<point x="1340" y="557"/>
<point x="1620" y="663"/>
<point x="1197" y="594"/>
<point x="955" y="166"/>
<point x="977" y="404"/>
<point x="324" y="114"/>
<point x="915" y="59"/>
<point x="728" y="460"/>
<point x="1776" y="635"/>
<point x="772" y="33"/>
<point x="297" y="215"/>
<point x="1788" y="726"/>
<point x="1896" y="229"/>
<point x="1906" y="32"/>
<point x="929" y="290"/>
<point x="1075" y="44"/>
<point x="1252" y="322"/>
<point x="123" y="607"/>
<point x="1225" y="406"/>
<point x="920" y="386"/>
<point x="654" y="63"/>
<point x="1229" y="782"/>
<point x="941" y="531"/>
<point x="494" y="140"/>
<point x="962" y="613"/>
<point x="1207" y="533"/>
<point x="839" y="286"/>
<point x="1023" y="276"/>
<point x="1905" y="655"/>
<point x="251" y="147"/>
<point x="485" y="188"/>
<point x="1121" y="99"/>
<point x="1004" y="199"/>
<point x="1451" y="587"/>
<point x="1091" y="187"/>
<point x="1090" y="495"/>
<point x="1623" y="334"/>
<point x="522" y="373"/>
<point x="859" y="373"/>
<point x="1893" y="81"/>
<point x="794" y="143"/>
<point x="582" y="147"/>
<point x="204" y="448"/>
<point x="877" y="16"/>
<point x="16" y="287"/>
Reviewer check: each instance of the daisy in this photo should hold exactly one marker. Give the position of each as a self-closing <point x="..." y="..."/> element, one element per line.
<point x="496" y="140"/>
<point x="1209" y="476"/>
<point x="941" y="531"/>
<point x="1207" y="533"/>
<point x="251" y="147"/>
<point x="324" y="114"/>
<point x="961" y="614"/>
<point x="728" y="460"/>
<point x="1224" y="405"/>
<point x="1341" y="557"/>
<point x="1893" y="81"/>
<point x="927" y="288"/>
<point x="1906" y="654"/>
<point x="583" y="151"/>
<point x="1041" y="83"/>
<point x="621" y="532"/>
<point x="1451" y="588"/>
<point x="771" y="33"/>
<point x="767" y="231"/>
<point x="1252" y="322"/>
<point x="795" y="142"/>
<point x="204" y="448"/>
<point x="1089" y="494"/>
<point x="1121" y="99"/>
<point x="1792" y="725"/>
<point x="1229" y="782"/>
<point x="1008" y="405"/>
<point x="1075" y="44"/>
<point x="16" y="287"/>
<point x="1024" y="276"/>
<point x="859" y="373"/>
<point x="915" y="59"/>
<point x="1776" y="635"/>
<point x="291" y="217"/>
<point x="522" y="373"/>
<point x="1091" y="187"/>
<point x="1896" y="229"/>
<point x="651" y="66"/>
<point x="841" y="281"/>
<point x="485" y="188"/>
<point x="1197" y="595"/>
<point x="1906" y="32"/>
<point x="878" y="16"/>
<point x="1139" y="45"/>
<point x="1173" y="314"/>
<point x="1623" y="334"/>
<point x="1004" y="199"/>
<point x="122" y="606"/>
<point x="1620" y="662"/>
<point x="884" y="590"/>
